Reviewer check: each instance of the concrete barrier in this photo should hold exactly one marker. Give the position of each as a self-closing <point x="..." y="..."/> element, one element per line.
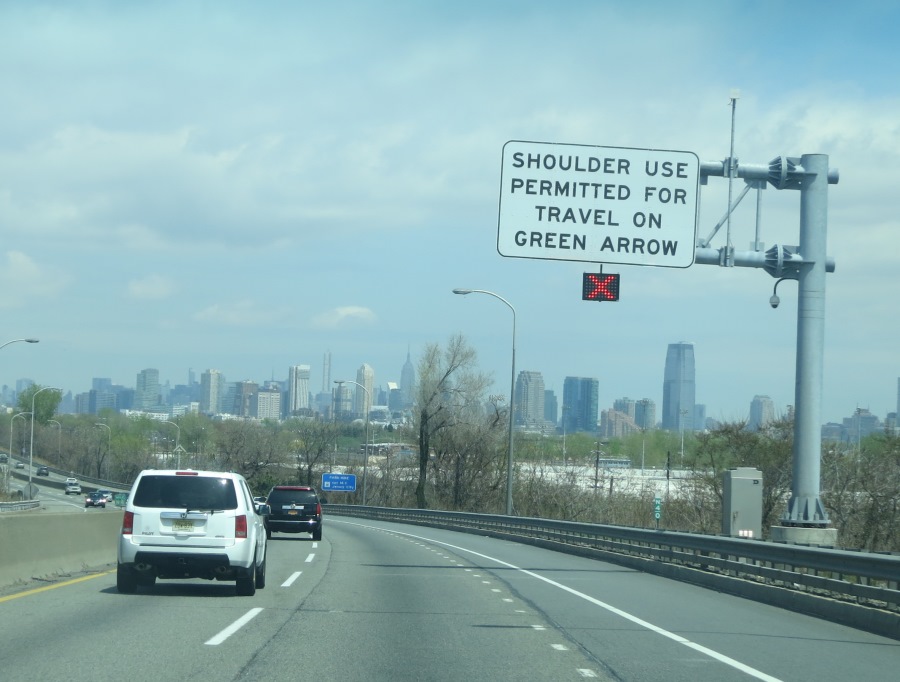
<point x="39" y="544"/>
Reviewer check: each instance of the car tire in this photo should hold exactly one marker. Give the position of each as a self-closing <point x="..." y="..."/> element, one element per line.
<point x="268" y="534"/>
<point x="245" y="585"/>
<point x="317" y="534"/>
<point x="126" y="582"/>
<point x="261" y="575"/>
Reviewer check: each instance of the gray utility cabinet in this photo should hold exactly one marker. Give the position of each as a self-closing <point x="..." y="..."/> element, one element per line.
<point x="742" y="502"/>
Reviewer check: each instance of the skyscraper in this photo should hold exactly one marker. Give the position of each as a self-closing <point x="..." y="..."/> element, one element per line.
<point x="212" y="391"/>
<point x="266" y="404"/>
<point x="362" y="402"/>
<point x="242" y="398"/>
<point x="326" y="373"/>
<point x="146" y="393"/>
<point x="762" y="412"/>
<point x="645" y="414"/>
<point x="529" y="399"/>
<point x="408" y="383"/>
<point x="679" y="388"/>
<point x="298" y="389"/>
<point x="580" y="404"/>
<point x="551" y="409"/>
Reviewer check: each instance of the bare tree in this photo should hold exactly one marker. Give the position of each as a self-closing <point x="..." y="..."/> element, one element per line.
<point x="863" y="492"/>
<point x="251" y="448"/>
<point x="448" y="384"/>
<point x="312" y="442"/>
<point x="469" y="463"/>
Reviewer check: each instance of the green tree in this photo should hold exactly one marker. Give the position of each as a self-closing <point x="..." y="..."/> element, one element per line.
<point x="45" y="399"/>
<point x="733" y="445"/>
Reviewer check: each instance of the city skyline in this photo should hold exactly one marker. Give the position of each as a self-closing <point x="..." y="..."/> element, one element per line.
<point x="759" y="408"/>
<point x="287" y="180"/>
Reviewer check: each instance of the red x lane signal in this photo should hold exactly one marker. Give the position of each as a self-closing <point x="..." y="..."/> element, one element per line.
<point x="595" y="286"/>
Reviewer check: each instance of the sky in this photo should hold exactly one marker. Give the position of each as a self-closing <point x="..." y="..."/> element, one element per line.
<point x="249" y="186"/>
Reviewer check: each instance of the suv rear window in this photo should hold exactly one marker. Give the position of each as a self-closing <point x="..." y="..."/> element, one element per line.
<point x="279" y="497"/>
<point x="186" y="492"/>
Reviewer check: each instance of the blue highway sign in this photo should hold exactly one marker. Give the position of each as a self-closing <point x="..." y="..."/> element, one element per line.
<point x="339" y="482"/>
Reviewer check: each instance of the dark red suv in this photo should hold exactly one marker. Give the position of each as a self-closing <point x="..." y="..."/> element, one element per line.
<point x="294" y="509"/>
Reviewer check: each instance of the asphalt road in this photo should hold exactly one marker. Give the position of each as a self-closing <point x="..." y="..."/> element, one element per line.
<point x="52" y="497"/>
<point x="380" y="601"/>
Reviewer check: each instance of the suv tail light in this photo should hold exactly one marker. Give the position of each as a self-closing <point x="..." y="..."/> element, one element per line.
<point x="240" y="526"/>
<point x="128" y="523"/>
<point x="318" y="509"/>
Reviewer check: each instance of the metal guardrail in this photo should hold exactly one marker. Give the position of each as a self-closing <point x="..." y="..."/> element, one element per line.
<point x="19" y="506"/>
<point x="855" y="588"/>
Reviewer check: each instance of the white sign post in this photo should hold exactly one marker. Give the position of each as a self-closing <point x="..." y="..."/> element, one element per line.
<point x="598" y="204"/>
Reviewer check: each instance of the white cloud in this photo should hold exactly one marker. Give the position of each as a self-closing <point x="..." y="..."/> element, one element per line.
<point x="243" y="313"/>
<point x="342" y="317"/>
<point x="151" y="287"/>
<point x="22" y="279"/>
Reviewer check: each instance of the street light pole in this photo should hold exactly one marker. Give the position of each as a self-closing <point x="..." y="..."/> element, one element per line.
<point x="4" y="345"/>
<point x="31" y="446"/>
<point x="20" y="414"/>
<point x="177" y="436"/>
<point x="512" y="393"/>
<point x="58" y="440"/>
<point x="335" y="404"/>
<point x="366" y="445"/>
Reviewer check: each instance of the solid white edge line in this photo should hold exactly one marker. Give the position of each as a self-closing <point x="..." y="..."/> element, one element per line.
<point x="234" y="627"/>
<point x="722" y="658"/>
<point x="290" y="581"/>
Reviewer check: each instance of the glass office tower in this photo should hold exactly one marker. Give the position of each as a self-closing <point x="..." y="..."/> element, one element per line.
<point x="580" y="404"/>
<point x="679" y="388"/>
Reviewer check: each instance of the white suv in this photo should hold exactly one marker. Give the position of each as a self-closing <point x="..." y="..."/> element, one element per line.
<point x="192" y="524"/>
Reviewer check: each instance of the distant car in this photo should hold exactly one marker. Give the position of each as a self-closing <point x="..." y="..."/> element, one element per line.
<point x="20" y="465"/>
<point x="294" y="509"/>
<point x="4" y="458"/>
<point x="43" y="471"/>
<point x="95" y="499"/>
<point x="107" y="494"/>
<point x="72" y="487"/>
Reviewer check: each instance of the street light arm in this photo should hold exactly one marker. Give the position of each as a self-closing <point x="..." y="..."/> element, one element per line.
<point x="177" y="436"/>
<point x="17" y="340"/>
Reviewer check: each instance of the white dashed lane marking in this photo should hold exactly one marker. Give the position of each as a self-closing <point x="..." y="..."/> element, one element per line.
<point x="234" y="627"/>
<point x="290" y="581"/>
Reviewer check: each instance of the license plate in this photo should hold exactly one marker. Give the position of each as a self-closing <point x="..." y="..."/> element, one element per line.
<point x="293" y="512"/>
<point x="182" y="524"/>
